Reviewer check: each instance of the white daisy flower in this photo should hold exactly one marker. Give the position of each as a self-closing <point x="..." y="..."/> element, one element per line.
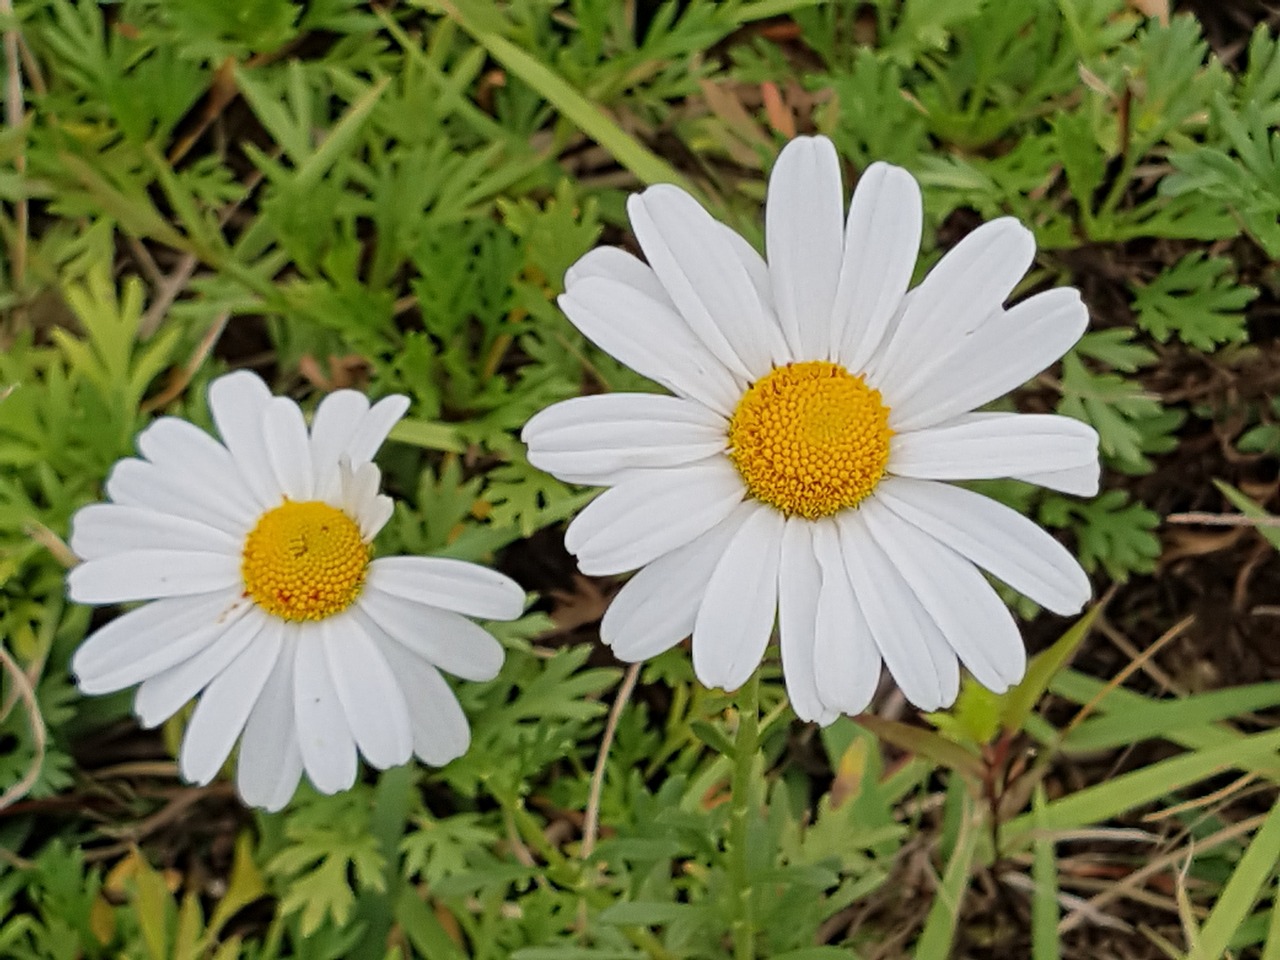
<point x="266" y="600"/>
<point x="801" y="470"/>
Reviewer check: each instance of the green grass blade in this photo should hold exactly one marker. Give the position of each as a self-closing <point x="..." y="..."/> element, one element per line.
<point x="1272" y="949"/>
<point x="583" y="113"/>
<point x="1017" y="704"/>
<point x="1151" y="720"/>
<point x="1100" y="802"/>
<point x="940" y="926"/>
<point x="765" y="9"/>
<point x="1080" y="688"/>
<point x="1242" y="890"/>
<point x="1044" y="900"/>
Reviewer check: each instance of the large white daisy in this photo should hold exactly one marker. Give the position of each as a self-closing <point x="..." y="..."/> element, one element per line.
<point x="801" y="471"/>
<point x="266" y="600"/>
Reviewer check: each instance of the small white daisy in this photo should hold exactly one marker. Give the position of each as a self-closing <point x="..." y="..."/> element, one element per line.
<point x="800" y="472"/>
<point x="266" y="600"/>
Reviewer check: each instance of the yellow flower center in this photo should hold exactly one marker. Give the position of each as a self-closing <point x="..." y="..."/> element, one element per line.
<point x="304" y="561"/>
<point x="810" y="438"/>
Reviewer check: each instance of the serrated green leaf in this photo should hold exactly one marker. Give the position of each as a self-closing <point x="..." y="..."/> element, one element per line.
<point x="1197" y="300"/>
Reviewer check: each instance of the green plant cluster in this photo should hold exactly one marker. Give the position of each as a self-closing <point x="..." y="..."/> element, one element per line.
<point x="389" y="195"/>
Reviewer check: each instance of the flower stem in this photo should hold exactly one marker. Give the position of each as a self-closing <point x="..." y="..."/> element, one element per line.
<point x="745" y="745"/>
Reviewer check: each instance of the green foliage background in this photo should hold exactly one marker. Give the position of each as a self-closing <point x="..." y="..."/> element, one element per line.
<point x="389" y="195"/>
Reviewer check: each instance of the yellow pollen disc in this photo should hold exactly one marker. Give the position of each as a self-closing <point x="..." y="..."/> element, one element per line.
<point x="810" y="438"/>
<point x="304" y="561"/>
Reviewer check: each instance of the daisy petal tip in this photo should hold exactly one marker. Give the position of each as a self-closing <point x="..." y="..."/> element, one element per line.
<point x="239" y="380"/>
<point x="74" y="591"/>
<point x="512" y="601"/>
<point x="194" y="772"/>
<point x="815" y="149"/>
<point x="330" y="783"/>
<point x="396" y="406"/>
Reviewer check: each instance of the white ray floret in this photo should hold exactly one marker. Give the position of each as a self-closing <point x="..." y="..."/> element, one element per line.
<point x="802" y="473"/>
<point x="263" y="599"/>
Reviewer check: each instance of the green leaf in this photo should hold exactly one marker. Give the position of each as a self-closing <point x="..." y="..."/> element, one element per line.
<point x="329" y="839"/>
<point x="926" y="743"/>
<point x="639" y="913"/>
<point x="1113" y="533"/>
<point x="944" y="914"/>
<point x="1197" y="300"/>
<point x="975" y="717"/>
<point x="1129" y="421"/>
<point x="485" y="24"/>
<point x="1115" y="348"/>
<point x="1167" y="718"/>
<point x="818" y="953"/>
<point x="1045" y="943"/>
<point x="713" y="737"/>
<point x="1255" y="868"/>
<point x="1017" y="704"/>
<point x="422" y="928"/>
<point x="1102" y="801"/>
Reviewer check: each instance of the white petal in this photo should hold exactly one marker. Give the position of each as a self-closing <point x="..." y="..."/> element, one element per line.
<point x="440" y="729"/>
<point x="328" y="748"/>
<point x="182" y="449"/>
<point x="989" y="445"/>
<point x="611" y="263"/>
<point x="374" y="516"/>
<point x="970" y="614"/>
<point x="455" y="585"/>
<point x="846" y="658"/>
<point x="288" y="447"/>
<point x="225" y="705"/>
<point x="161" y="696"/>
<point x="371" y="698"/>
<point x="144" y="642"/>
<point x="965" y="289"/>
<point x="1000" y="540"/>
<point x="152" y="574"/>
<point x="651" y="338"/>
<point x="1003" y="353"/>
<point x="736" y="617"/>
<point x="799" y="583"/>
<point x="913" y="648"/>
<point x="270" y="762"/>
<point x="447" y="640"/>
<point x="359" y="497"/>
<point x="137" y="483"/>
<point x="1082" y="481"/>
<point x="881" y="243"/>
<point x="373" y="428"/>
<point x="706" y="280"/>
<point x="657" y="607"/>
<point x="238" y="402"/>
<point x="593" y="440"/>
<point x="337" y="418"/>
<point x="758" y="271"/>
<point x="804" y="242"/>
<point x="652" y="513"/>
<point x="101" y="529"/>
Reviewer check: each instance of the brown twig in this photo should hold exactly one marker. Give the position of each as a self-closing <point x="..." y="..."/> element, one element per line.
<point x="591" y="821"/>
<point x="38" y="732"/>
<point x="1222" y="520"/>
<point x="1130" y="668"/>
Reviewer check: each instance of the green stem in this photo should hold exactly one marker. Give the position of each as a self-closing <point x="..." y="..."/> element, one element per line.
<point x="745" y="745"/>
